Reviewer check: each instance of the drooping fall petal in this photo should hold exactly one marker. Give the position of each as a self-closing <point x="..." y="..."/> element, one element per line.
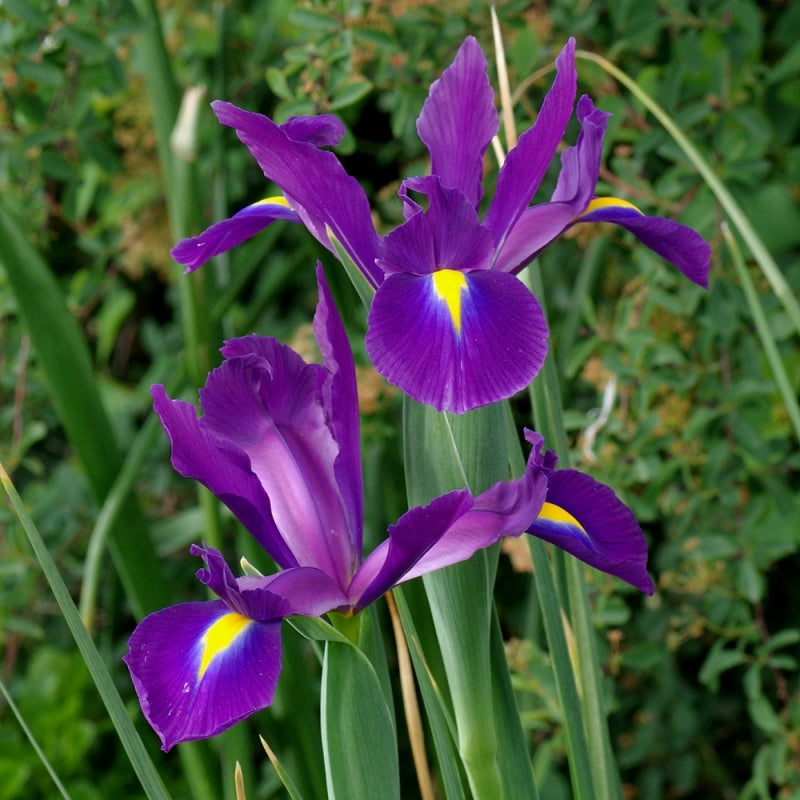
<point x="456" y="340"/>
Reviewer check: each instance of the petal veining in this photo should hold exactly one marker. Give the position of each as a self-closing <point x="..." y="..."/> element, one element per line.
<point x="413" y="342"/>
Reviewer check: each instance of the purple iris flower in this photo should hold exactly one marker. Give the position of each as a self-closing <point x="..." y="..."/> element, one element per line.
<point x="449" y="324"/>
<point x="278" y="443"/>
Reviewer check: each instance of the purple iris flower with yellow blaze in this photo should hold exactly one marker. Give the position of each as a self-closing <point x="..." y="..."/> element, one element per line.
<point x="278" y="443"/>
<point x="449" y="324"/>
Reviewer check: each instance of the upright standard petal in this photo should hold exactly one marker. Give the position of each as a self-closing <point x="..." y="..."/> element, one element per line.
<point x="314" y="182"/>
<point x="340" y="400"/>
<point x="225" y="235"/>
<point x="266" y="401"/>
<point x="459" y="120"/>
<point x="540" y="224"/>
<point x="456" y="340"/>
<point x="525" y="166"/>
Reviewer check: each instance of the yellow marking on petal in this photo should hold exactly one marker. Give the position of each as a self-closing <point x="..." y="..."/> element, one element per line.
<point x="449" y="283"/>
<point x="276" y="200"/>
<point x="606" y="202"/>
<point x="219" y="637"/>
<point x="553" y="513"/>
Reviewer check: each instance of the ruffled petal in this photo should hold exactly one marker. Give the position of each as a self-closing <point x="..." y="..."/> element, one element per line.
<point x="224" y="469"/>
<point x="328" y="200"/>
<point x="527" y="163"/>
<point x="269" y="405"/>
<point x="678" y="244"/>
<point x="539" y="225"/>
<point x="321" y="130"/>
<point x="225" y="235"/>
<point x="459" y="120"/>
<point x="580" y="165"/>
<point x="456" y="340"/>
<point x="300" y="590"/>
<point x="199" y="668"/>
<point x="588" y="520"/>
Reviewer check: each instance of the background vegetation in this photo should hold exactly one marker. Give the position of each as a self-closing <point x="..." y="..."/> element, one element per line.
<point x="702" y="682"/>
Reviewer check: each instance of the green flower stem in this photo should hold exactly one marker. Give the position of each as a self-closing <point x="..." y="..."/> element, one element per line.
<point x="585" y="716"/>
<point x="740" y="221"/>
<point x="445" y="452"/>
<point x="761" y="322"/>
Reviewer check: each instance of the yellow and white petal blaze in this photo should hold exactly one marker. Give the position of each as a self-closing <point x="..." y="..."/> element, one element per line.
<point x="553" y="513"/>
<point x="275" y="200"/>
<point x="608" y="202"/>
<point x="219" y="637"/>
<point x="449" y="283"/>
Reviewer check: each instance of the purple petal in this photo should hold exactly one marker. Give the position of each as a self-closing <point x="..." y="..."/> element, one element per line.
<point x="303" y="590"/>
<point x="321" y="130"/>
<point x="195" y="680"/>
<point x="414" y="534"/>
<point x="580" y="165"/>
<point x="456" y="341"/>
<point x="340" y="398"/>
<point x="678" y="244"/>
<point x="541" y="224"/>
<point x="224" y="469"/>
<point x="459" y="120"/>
<point x="224" y="235"/>
<point x="446" y="236"/>
<point x="269" y="405"/>
<point x="449" y="530"/>
<point x="527" y="163"/>
<point x="586" y="519"/>
<point x="327" y="199"/>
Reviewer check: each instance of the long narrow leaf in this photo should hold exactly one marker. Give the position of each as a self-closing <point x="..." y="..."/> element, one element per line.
<point x="64" y="358"/>
<point x="586" y="724"/>
<point x="34" y="743"/>
<point x="139" y="759"/>
<point x="358" y="734"/>
<point x="782" y="380"/>
<point x="737" y="217"/>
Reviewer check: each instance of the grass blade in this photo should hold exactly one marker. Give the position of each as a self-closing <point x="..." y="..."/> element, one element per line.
<point x="140" y="760"/>
<point x="64" y="359"/>
<point x="784" y="384"/>
<point x="737" y="217"/>
<point x="32" y="739"/>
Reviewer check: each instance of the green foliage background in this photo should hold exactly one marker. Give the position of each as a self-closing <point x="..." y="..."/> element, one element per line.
<point x="703" y="677"/>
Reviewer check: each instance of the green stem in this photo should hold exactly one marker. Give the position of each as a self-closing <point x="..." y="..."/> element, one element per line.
<point x="768" y="266"/>
<point x="585" y="719"/>
<point x="782" y="380"/>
